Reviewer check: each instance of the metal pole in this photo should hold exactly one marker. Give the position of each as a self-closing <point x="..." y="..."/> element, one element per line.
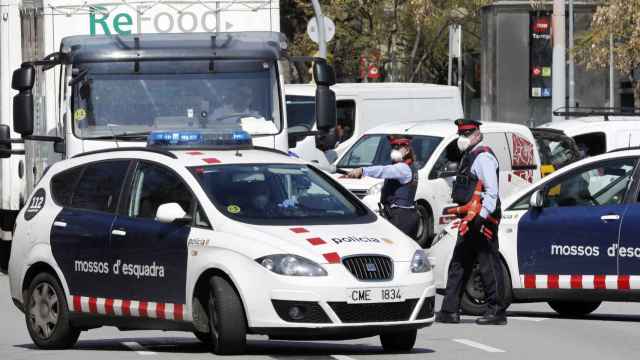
<point x="322" y="39"/>
<point x="559" y="72"/>
<point x="612" y="102"/>
<point x="460" y="61"/>
<point x="572" y="66"/>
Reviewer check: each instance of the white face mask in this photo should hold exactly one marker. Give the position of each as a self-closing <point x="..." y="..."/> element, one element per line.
<point x="396" y="155"/>
<point x="463" y="143"/>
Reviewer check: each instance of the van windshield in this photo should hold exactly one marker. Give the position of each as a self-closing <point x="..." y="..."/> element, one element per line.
<point x="278" y="194"/>
<point x="116" y="98"/>
<point x="375" y="149"/>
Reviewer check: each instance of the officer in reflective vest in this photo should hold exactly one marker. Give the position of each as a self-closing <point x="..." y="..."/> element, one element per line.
<point x="478" y="231"/>
<point x="400" y="184"/>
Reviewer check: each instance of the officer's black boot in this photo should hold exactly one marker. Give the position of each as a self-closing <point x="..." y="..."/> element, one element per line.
<point x="447" y="317"/>
<point x="492" y="319"/>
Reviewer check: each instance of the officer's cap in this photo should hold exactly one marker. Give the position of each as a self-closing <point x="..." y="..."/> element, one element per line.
<point x="465" y="125"/>
<point x="400" y="140"/>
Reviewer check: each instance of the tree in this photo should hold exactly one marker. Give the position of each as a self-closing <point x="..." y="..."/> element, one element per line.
<point x="620" y="19"/>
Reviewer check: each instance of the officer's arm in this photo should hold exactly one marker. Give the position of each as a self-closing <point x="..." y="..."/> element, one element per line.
<point x="485" y="167"/>
<point x="398" y="171"/>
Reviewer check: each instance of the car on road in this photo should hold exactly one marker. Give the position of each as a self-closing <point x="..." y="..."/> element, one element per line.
<point x="570" y="239"/>
<point x="206" y="233"/>
<point x="434" y="143"/>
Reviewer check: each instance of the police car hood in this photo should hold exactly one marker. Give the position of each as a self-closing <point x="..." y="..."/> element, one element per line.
<point x="326" y="243"/>
<point x="357" y="185"/>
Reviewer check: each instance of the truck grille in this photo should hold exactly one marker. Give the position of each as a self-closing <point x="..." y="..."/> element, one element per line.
<point x="369" y="267"/>
<point x="376" y="312"/>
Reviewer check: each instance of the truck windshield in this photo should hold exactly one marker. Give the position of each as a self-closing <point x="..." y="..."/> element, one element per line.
<point x="277" y="194"/>
<point x="376" y="149"/>
<point x="134" y="97"/>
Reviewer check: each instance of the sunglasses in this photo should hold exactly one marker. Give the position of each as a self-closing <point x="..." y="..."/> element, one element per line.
<point x="466" y="133"/>
<point x="396" y="146"/>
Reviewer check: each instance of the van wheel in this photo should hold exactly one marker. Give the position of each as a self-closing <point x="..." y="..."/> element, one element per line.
<point x="47" y="314"/>
<point x="425" y="226"/>
<point x="473" y="300"/>
<point x="227" y="320"/>
<point x="574" y="308"/>
<point x="401" y="341"/>
<point x="203" y="337"/>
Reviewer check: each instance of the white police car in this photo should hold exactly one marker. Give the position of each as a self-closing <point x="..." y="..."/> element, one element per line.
<point x="570" y="239"/>
<point x="222" y="239"/>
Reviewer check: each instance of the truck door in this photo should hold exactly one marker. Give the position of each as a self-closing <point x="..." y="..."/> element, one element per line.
<point x="80" y="233"/>
<point x="578" y="223"/>
<point x="150" y="257"/>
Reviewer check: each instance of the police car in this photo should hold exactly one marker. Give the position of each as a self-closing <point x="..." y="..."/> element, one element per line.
<point x="570" y="240"/>
<point x="208" y="234"/>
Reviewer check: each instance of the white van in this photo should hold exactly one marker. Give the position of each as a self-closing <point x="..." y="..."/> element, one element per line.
<point x="596" y="135"/>
<point x="362" y="106"/>
<point x="434" y="143"/>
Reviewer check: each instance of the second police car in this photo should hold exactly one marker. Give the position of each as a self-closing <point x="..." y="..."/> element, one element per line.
<point x="570" y="240"/>
<point x="222" y="240"/>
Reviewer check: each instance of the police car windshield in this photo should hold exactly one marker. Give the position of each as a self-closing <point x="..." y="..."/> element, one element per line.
<point x="375" y="150"/>
<point x="132" y="97"/>
<point x="277" y="194"/>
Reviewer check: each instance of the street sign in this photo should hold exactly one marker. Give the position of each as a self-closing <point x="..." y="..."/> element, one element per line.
<point x="329" y="28"/>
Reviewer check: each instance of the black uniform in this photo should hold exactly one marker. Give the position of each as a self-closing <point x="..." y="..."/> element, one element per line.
<point x="480" y="242"/>
<point x="398" y="201"/>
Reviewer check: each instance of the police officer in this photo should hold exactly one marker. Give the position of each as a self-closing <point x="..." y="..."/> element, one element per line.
<point x="477" y="237"/>
<point x="400" y="184"/>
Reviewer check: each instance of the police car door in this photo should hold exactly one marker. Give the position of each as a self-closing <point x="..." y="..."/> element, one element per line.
<point x="149" y="257"/>
<point x="88" y="196"/>
<point x="579" y="221"/>
<point x="628" y="250"/>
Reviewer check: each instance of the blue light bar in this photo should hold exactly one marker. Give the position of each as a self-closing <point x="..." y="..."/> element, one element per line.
<point x="195" y="139"/>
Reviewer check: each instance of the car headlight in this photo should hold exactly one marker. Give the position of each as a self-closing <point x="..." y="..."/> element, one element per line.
<point x="441" y="235"/>
<point x="420" y="262"/>
<point x="375" y="189"/>
<point x="291" y="265"/>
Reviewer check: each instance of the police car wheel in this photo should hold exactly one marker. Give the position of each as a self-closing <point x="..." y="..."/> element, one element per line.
<point x="425" y="226"/>
<point x="227" y="320"/>
<point x="402" y="341"/>
<point x="473" y="300"/>
<point x="47" y="314"/>
<point x="574" y="308"/>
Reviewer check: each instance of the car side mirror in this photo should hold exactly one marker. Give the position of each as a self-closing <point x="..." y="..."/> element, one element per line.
<point x="23" y="80"/>
<point x="5" y="141"/>
<point x="451" y="169"/>
<point x="326" y="111"/>
<point x="172" y="213"/>
<point x="536" y="200"/>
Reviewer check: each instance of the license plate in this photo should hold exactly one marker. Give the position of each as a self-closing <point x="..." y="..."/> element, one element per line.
<point x="374" y="295"/>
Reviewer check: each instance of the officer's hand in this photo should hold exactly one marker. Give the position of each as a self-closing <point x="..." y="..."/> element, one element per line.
<point x="477" y="223"/>
<point x="355" y="173"/>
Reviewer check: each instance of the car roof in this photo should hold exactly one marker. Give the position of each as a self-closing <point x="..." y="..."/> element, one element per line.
<point x="577" y="126"/>
<point x="508" y="202"/>
<point x="444" y="128"/>
<point x="382" y="90"/>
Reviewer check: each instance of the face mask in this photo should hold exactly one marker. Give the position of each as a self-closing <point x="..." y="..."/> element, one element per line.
<point x="260" y="201"/>
<point x="396" y="155"/>
<point x="463" y="143"/>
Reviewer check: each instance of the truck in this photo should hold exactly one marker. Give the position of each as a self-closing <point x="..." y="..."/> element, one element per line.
<point x="92" y="75"/>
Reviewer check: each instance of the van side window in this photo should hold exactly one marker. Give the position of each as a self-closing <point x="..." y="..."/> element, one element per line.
<point x="99" y="186"/>
<point x="451" y="154"/>
<point x="346" y="119"/>
<point x="592" y="144"/>
<point x="62" y="185"/>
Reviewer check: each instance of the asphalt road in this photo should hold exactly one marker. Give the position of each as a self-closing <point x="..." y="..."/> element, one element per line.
<point x="534" y="332"/>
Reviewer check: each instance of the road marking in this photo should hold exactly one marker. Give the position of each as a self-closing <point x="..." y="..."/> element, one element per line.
<point x="139" y="349"/>
<point x="342" y="357"/>
<point x="477" y="345"/>
<point x="524" y="318"/>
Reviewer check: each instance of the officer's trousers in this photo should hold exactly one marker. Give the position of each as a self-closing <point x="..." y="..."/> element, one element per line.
<point x="405" y="219"/>
<point x="469" y="248"/>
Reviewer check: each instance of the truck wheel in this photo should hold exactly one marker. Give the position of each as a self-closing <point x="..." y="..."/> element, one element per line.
<point x="47" y="314"/>
<point x="401" y="341"/>
<point x="227" y="320"/>
<point x="425" y="226"/>
<point x="473" y="300"/>
<point x="574" y="308"/>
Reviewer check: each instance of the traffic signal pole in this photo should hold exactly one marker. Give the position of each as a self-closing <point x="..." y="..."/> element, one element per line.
<point x="558" y="95"/>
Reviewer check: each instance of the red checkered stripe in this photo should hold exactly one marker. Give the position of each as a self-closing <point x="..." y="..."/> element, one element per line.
<point x="555" y="281"/>
<point x="331" y="257"/>
<point x="123" y="307"/>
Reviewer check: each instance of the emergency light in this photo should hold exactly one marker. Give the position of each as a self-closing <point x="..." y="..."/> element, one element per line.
<point x="233" y="139"/>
